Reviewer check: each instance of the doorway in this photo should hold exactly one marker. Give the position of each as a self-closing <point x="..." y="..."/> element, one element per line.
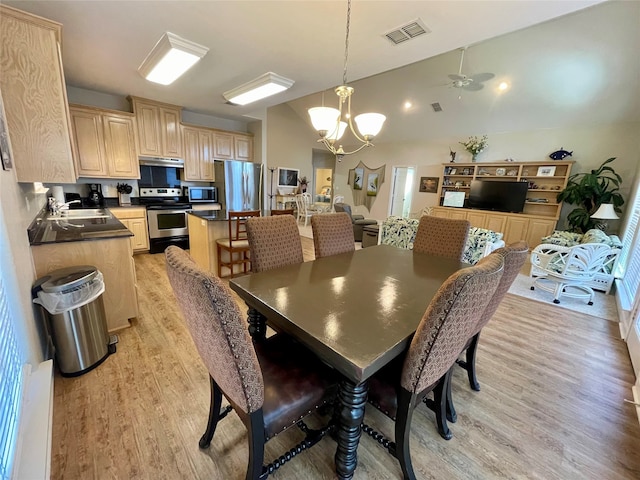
<point x="402" y="191"/>
<point x="322" y="189"/>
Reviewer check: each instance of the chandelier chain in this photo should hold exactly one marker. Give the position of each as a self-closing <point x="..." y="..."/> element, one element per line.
<point x="346" y="44"/>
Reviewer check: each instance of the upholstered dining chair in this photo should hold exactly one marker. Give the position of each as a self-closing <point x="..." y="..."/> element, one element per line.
<point x="235" y="245"/>
<point x="441" y="236"/>
<point x="445" y="327"/>
<point x="568" y="271"/>
<point x="273" y="242"/>
<point x="332" y="234"/>
<point x="271" y="385"/>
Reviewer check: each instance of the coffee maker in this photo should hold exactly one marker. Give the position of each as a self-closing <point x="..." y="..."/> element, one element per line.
<point x="95" y="195"/>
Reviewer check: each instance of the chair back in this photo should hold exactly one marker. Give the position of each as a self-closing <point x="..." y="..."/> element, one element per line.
<point x="218" y="330"/>
<point x="343" y="207"/>
<point x="441" y="236"/>
<point x="514" y="256"/>
<point x="448" y="322"/>
<point x="236" y="224"/>
<point x="284" y="211"/>
<point x="585" y="260"/>
<point x="332" y="234"/>
<point x="273" y="242"/>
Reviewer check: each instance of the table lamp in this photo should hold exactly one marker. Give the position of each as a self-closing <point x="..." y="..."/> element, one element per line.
<point x="605" y="212"/>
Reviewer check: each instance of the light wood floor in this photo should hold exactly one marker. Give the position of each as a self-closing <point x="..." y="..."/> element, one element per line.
<point x="551" y="406"/>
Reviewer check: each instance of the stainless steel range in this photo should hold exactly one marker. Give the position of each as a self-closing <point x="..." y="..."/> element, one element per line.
<point x="166" y="216"/>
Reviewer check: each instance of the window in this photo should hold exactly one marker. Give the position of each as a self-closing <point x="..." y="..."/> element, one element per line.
<point x="629" y="262"/>
<point x="10" y="385"/>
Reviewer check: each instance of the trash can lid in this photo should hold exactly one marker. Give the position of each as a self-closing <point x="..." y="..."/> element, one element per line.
<point x="68" y="278"/>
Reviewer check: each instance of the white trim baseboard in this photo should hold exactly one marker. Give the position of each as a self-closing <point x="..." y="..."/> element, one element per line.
<point x="33" y="449"/>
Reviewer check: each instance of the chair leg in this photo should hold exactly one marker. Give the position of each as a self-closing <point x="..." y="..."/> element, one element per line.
<point x="471" y="363"/>
<point x="256" y="445"/>
<point x="219" y="261"/>
<point x="440" y="404"/>
<point x="403" y="432"/>
<point x="214" y="414"/>
<point x="452" y="416"/>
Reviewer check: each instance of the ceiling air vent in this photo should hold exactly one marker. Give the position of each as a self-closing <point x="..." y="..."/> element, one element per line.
<point x="436" y="107"/>
<point x="407" y="32"/>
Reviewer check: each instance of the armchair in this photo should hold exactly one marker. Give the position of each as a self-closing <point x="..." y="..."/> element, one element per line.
<point x="358" y="221"/>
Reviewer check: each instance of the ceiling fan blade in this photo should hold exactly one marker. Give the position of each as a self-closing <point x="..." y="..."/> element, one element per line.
<point x="482" y="77"/>
<point x="457" y="77"/>
<point x="473" y="87"/>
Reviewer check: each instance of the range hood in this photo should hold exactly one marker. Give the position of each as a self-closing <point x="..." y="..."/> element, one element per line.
<point x="162" y="162"/>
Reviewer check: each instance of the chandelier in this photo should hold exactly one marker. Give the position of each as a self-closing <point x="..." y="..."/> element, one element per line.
<point x="330" y="122"/>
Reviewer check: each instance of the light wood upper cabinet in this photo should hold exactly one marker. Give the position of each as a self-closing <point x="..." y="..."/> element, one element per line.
<point x="244" y="147"/>
<point x="198" y="162"/>
<point x="104" y="143"/>
<point x="35" y="98"/>
<point x="223" y="146"/>
<point x="158" y="128"/>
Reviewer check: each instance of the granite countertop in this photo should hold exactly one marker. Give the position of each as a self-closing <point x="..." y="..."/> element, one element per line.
<point x="43" y="231"/>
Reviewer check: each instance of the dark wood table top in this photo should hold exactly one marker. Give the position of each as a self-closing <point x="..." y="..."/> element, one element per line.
<point x="356" y="311"/>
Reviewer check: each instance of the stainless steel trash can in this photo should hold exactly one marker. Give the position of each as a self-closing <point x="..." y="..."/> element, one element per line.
<point x="72" y="297"/>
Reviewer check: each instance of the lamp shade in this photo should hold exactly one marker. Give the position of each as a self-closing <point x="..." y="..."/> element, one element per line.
<point x="605" y="212"/>
<point x="324" y="119"/>
<point x="336" y="131"/>
<point x="370" y="124"/>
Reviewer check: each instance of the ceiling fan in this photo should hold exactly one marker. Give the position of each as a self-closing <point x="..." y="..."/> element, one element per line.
<point x="470" y="83"/>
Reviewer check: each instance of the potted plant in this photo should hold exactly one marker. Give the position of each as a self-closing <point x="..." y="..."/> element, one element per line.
<point x="124" y="193"/>
<point x="474" y="146"/>
<point x="588" y="191"/>
<point x="303" y="184"/>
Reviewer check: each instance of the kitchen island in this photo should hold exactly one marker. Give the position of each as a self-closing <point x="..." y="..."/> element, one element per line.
<point x="103" y="242"/>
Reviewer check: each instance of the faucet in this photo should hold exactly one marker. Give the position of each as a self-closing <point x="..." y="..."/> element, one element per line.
<point x="65" y="206"/>
<point x="55" y="208"/>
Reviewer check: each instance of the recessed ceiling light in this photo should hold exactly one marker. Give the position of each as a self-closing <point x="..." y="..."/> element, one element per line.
<point x="503" y="86"/>
<point x="264" y="86"/>
<point x="170" y="58"/>
<point x="408" y="105"/>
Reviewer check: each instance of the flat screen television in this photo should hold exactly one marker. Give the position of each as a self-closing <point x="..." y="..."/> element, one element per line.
<point x="288" y="177"/>
<point x="502" y="196"/>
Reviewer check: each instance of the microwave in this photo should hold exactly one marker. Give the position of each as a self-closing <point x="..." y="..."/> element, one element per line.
<point x="203" y="194"/>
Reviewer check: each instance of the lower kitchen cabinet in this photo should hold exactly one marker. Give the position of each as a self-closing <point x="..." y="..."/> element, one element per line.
<point x="135" y="219"/>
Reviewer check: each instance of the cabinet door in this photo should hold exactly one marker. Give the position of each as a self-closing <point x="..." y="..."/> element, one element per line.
<point x="88" y="143"/>
<point x="495" y="222"/>
<point x="120" y="146"/>
<point x="516" y="229"/>
<point x="223" y="146"/>
<point x="440" y="212"/>
<point x="205" y="139"/>
<point x="191" y="153"/>
<point x="477" y="219"/>
<point x="539" y="228"/>
<point x="140" y="239"/>
<point x="170" y="132"/>
<point x="35" y="98"/>
<point x="244" y="147"/>
<point x="458" y="215"/>
<point x="148" y="121"/>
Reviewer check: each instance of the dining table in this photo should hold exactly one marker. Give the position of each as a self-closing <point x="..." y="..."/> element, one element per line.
<point x="356" y="311"/>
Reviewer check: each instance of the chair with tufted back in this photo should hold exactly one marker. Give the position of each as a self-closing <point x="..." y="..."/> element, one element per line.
<point x="271" y="385"/>
<point x="441" y="236"/>
<point x="332" y="234"/>
<point x="273" y="242"/>
<point x="446" y="325"/>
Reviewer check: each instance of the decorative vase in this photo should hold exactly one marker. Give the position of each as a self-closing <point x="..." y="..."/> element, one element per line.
<point x="474" y="157"/>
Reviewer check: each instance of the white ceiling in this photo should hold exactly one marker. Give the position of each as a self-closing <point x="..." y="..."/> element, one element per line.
<point x="579" y="64"/>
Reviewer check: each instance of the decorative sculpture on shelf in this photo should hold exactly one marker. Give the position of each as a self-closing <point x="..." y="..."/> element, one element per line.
<point x="560" y="154"/>
<point x="453" y="155"/>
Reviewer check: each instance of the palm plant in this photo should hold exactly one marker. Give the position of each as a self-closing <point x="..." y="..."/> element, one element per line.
<point x="588" y="191"/>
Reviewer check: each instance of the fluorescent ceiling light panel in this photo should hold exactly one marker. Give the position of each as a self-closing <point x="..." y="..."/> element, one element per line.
<point x="170" y="58"/>
<point x="264" y="86"/>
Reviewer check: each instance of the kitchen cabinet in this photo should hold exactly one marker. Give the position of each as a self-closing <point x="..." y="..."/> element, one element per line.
<point x="104" y="143"/>
<point x="135" y="219"/>
<point x="159" y="133"/>
<point x="243" y="146"/>
<point x="223" y="146"/>
<point x="35" y="98"/>
<point x="198" y="161"/>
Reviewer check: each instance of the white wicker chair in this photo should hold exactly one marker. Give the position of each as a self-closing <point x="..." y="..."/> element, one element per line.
<point x="568" y="271"/>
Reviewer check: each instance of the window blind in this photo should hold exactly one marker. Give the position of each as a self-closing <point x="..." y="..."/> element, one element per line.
<point x="629" y="263"/>
<point x="10" y="385"/>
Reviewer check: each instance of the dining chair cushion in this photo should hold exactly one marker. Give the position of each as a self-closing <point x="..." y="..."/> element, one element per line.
<point x="225" y="242"/>
<point x="274" y="242"/>
<point x="441" y="236"/>
<point x="332" y="234"/>
<point x="224" y="345"/>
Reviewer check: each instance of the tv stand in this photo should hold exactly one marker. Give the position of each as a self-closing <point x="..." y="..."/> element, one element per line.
<point x="541" y="210"/>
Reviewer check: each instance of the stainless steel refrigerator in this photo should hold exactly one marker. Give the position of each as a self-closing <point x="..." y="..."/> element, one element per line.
<point x="239" y="185"/>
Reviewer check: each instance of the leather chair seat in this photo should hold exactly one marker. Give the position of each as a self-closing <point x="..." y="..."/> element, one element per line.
<point x="293" y="384"/>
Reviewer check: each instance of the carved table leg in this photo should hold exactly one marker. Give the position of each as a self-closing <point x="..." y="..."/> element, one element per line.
<point x="352" y="399"/>
<point x="257" y="325"/>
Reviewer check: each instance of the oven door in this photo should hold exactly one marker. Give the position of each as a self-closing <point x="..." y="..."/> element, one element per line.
<point x="167" y="222"/>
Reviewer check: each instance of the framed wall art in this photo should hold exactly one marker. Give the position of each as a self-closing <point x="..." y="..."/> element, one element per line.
<point x="546" y="171"/>
<point x="429" y="184"/>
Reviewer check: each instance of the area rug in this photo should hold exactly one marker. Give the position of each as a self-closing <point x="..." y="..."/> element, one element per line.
<point x="604" y="306"/>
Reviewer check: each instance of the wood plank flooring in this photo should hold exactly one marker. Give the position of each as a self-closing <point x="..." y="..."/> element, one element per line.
<point x="551" y="406"/>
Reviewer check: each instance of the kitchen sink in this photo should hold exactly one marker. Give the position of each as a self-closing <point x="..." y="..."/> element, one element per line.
<point x="81" y="214"/>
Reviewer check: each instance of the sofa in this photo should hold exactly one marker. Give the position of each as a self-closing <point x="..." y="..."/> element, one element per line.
<point x="400" y="232"/>
<point x="358" y="221"/>
<point x="603" y="280"/>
